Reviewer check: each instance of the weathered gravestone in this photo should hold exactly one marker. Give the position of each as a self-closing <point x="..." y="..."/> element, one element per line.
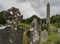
<point x="14" y="35"/>
<point x="5" y="35"/>
<point x="34" y="33"/>
<point x="44" y="36"/>
<point x="59" y="33"/>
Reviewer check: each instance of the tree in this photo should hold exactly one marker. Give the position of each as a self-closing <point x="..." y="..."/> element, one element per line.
<point x="2" y="21"/>
<point x="55" y="19"/>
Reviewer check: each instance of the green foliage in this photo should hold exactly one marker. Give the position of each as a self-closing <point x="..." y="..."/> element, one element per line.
<point x="24" y="25"/>
<point x="1" y="15"/>
<point x="2" y="21"/>
<point x="29" y="20"/>
<point x="26" y="39"/>
<point x="55" y="18"/>
<point x="57" y="41"/>
<point x="43" y="20"/>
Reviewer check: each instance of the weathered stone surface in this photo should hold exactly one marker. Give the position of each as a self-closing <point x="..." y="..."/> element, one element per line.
<point x="48" y="14"/>
<point x="5" y="35"/>
<point x="59" y="33"/>
<point x="34" y="33"/>
<point x="44" y="36"/>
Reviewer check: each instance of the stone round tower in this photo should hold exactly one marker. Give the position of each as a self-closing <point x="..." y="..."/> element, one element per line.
<point x="48" y="13"/>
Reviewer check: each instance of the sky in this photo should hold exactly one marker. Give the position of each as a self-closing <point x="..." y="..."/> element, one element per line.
<point x="32" y="7"/>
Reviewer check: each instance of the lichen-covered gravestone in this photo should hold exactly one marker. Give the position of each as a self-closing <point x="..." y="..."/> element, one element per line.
<point x="34" y="33"/>
<point x="59" y="33"/>
<point x="16" y="33"/>
<point x="12" y="34"/>
<point x="44" y="36"/>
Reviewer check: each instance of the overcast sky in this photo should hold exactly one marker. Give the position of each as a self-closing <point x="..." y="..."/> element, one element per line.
<point x="31" y="7"/>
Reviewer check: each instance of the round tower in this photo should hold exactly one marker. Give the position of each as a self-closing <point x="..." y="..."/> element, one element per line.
<point x="48" y="13"/>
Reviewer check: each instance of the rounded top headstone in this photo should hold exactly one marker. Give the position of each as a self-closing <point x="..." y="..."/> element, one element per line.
<point x="59" y="33"/>
<point x="59" y="30"/>
<point x="44" y="36"/>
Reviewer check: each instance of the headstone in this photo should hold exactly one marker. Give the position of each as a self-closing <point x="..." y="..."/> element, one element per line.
<point x="53" y="29"/>
<point x="5" y="35"/>
<point x="44" y="36"/>
<point x="34" y="33"/>
<point x="59" y="33"/>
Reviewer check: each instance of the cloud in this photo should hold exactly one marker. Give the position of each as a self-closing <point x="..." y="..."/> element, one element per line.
<point x="55" y="10"/>
<point x="37" y="5"/>
<point x="55" y="2"/>
<point x="20" y="1"/>
<point x="1" y="7"/>
<point x="25" y="8"/>
<point x="40" y="7"/>
<point x="30" y="7"/>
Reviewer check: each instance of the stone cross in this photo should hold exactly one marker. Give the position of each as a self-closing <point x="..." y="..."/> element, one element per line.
<point x="12" y="34"/>
<point x="15" y="14"/>
<point x="15" y="17"/>
<point x="34" y="33"/>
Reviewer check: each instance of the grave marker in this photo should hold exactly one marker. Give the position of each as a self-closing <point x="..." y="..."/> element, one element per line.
<point x="44" y="36"/>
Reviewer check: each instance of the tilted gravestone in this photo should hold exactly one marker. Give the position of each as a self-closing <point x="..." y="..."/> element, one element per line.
<point x="34" y="33"/>
<point x="44" y="36"/>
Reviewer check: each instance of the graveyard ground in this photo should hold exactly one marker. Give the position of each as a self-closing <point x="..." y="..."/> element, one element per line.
<point x="52" y="36"/>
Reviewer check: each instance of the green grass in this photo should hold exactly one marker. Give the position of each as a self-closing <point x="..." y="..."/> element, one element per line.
<point x="26" y="40"/>
<point x="24" y="25"/>
<point x="52" y="37"/>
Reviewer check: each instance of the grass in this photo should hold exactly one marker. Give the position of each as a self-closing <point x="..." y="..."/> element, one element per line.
<point x="24" y="25"/>
<point x="26" y="40"/>
<point x="52" y="37"/>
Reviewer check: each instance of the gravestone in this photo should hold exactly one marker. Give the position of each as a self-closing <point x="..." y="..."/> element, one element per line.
<point x="34" y="33"/>
<point x="5" y="35"/>
<point x="59" y="33"/>
<point x="53" y="29"/>
<point x="44" y="36"/>
<point x="12" y="34"/>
